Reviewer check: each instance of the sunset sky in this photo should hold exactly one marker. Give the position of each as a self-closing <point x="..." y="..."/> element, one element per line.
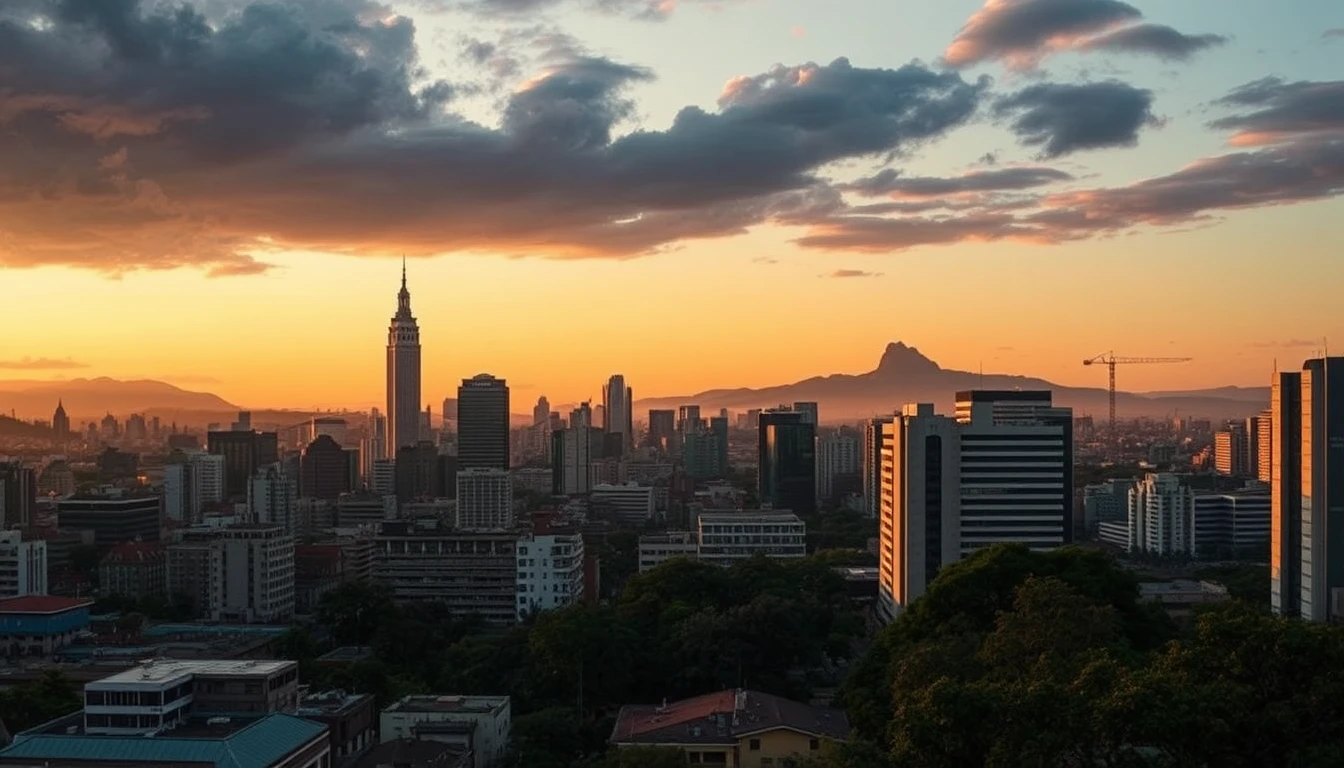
<point x="693" y="193"/>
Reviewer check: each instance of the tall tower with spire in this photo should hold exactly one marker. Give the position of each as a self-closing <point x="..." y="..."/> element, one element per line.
<point x="60" y="423"/>
<point x="403" y="374"/>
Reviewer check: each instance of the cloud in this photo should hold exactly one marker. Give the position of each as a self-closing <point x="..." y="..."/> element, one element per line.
<point x="40" y="364"/>
<point x="312" y="126"/>
<point x="890" y="182"/>
<point x="1156" y="39"/>
<point x="841" y="273"/>
<point x="1333" y="33"/>
<point x="642" y="10"/>
<point x="1284" y="110"/>
<point x="1064" y="118"/>
<point x="1288" y="344"/>
<point x="1022" y="32"/>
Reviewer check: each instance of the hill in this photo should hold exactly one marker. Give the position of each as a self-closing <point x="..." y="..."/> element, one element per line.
<point x="90" y="399"/>
<point x="904" y="375"/>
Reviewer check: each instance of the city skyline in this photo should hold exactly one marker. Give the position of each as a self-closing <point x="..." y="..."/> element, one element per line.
<point x="927" y="205"/>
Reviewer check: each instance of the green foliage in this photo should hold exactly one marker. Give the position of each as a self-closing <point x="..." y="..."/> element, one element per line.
<point x="31" y="704"/>
<point x="839" y="529"/>
<point x="1018" y="658"/>
<point x="643" y="757"/>
<point x="1247" y="583"/>
<point x="354" y="612"/>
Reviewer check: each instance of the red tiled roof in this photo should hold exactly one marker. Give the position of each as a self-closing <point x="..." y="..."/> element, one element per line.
<point x="723" y="718"/>
<point x="134" y="552"/>
<point x="41" y="604"/>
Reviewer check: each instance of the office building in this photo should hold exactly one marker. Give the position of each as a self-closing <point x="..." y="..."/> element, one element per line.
<point x="618" y="413"/>
<point x="244" y="452"/>
<point x="484" y="499"/>
<point x="350" y="719"/>
<point x="134" y="570"/>
<point x="483" y="423"/>
<point x="192" y="482"/>
<point x="18" y="494"/>
<point x="373" y="447"/>
<point x="1307" y="549"/>
<point x="1161" y="516"/>
<point x="662" y="434"/>
<point x="704" y="453"/>
<point x="550" y="570"/>
<point x="1232" y="525"/>
<point x="688" y="418"/>
<point x="273" y="497"/>
<point x="919" y="527"/>
<point x="1231" y="452"/>
<point x="238" y="573"/>
<point x="484" y="721"/>
<point x="726" y="538"/>
<point x="113" y="517"/>
<point x="837" y="465"/>
<point x="23" y="566"/>
<point x="1263" y="438"/>
<point x="810" y="413"/>
<point x="787" y="469"/>
<point x="473" y="573"/>
<point x="1106" y="503"/>
<point x="403" y="374"/>
<point x="418" y="472"/>
<point x="871" y="464"/>
<point x="60" y="423"/>
<point x="541" y="412"/>
<point x="573" y="452"/>
<point x="1016" y="470"/>
<point x="657" y="548"/>
<point x="324" y="469"/>
<point x="628" y="504"/>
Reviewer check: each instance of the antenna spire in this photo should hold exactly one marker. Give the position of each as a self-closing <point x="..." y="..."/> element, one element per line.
<point x="403" y="270"/>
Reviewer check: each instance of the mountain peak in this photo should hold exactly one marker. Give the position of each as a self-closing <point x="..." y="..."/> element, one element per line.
<point x="898" y="358"/>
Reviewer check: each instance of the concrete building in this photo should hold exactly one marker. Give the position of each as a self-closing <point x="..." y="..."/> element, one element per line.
<point x="1231" y="451"/>
<point x="1232" y="525"/>
<point x="838" y="462"/>
<point x="1307" y="553"/>
<point x="662" y="434"/>
<point x="1263" y="439"/>
<point x="273" y="497"/>
<point x="471" y="572"/>
<point x="628" y="504"/>
<point x="483" y="423"/>
<point x="244" y="452"/>
<point x="356" y="509"/>
<point x="38" y="625"/>
<point x="731" y="537"/>
<point x="113" y="516"/>
<point x="134" y="569"/>
<point x="403" y="375"/>
<point x="550" y="570"/>
<point x="18" y="494"/>
<point x="484" y="499"/>
<point x="1161" y="516"/>
<point x="485" y="722"/>
<point x="191" y="483"/>
<point x="871" y="465"/>
<point x="657" y="548"/>
<point x="237" y="573"/>
<point x="324" y="469"/>
<point x="23" y="565"/>
<point x="1107" y="502"/>
<point x="160" y="695"/>
<point x="350" y="719"/>
<point x="618" y="412"/>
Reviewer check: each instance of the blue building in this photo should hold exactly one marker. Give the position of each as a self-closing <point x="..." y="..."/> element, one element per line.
<point x="39" y="625"/>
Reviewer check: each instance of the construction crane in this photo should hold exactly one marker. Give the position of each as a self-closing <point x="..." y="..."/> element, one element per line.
<point x="1109" y="360"/>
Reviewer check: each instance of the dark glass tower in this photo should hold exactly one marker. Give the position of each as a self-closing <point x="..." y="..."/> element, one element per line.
<point x="483" y="423"/>
<point x="787" y="467"/>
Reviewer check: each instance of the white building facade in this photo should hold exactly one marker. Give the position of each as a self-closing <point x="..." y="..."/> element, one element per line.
<point x="23" y="565"/>
<point x="550" y="571"/>
<point x="1161" y="516"/>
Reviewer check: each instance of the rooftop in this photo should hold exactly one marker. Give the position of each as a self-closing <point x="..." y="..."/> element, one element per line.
<point x="415" y="753"/>
<point x="238" y="743"/>
<point x="44" y="604"/>
<point x="464" y="704"/>
<point x="347" y="653"/>
<point x="134" y="552"/>
<point x="335" y="702"/>
<point x="723" y="718"/>
<point x="170" y="669"/>
<point x="763" y="516"/>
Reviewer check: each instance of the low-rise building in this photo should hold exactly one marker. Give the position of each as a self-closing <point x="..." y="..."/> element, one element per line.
<point x="734" y="729"/>
<point x="349" y="717"/>
<point x="484" y="723"/>
<point x="730" y="537"/>
<point x="471" y="572"/>
<point x="629" y="504"/>
<point x="159" y="695"/>
<point x="241" y="573"/>
<point x="657" y="548"/>
<point x="134" y="569"/>
<point x="40" y="625"/>
<point x="23" y="565"/>
<point x="550" y="570"/>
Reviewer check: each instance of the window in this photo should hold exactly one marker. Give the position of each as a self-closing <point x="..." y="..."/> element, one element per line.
<point x="754" y="745"/>
<point x="814" y="744"/>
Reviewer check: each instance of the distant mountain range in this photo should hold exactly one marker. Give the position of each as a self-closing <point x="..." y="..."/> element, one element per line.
<point x="904" y="375"/>
<point x="91" y="399"/>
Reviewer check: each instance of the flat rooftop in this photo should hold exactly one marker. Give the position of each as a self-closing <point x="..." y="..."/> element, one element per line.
<point x="771" y="516"/>
<point x="162" y="670"/>
<point x="42" y="604"/>
<point x="464" y="704"/>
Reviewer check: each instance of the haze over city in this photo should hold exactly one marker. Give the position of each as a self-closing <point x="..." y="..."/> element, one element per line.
<point x="218" y="198"/>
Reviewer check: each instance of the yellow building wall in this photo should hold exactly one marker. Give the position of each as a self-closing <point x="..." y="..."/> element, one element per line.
<point x="775" y="745"/>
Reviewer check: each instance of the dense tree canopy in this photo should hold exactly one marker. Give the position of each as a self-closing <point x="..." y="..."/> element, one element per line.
<point x="1048" y="659"/>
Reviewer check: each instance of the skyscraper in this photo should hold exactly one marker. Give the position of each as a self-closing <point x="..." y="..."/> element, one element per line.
<point x="809" y="411"/>
<point x="837" y="464"/>
<point x="541" y="413"/>
<point x="483" y="423"/>
<point x="787" y="474"/>
<point x="1230" y="453"/>
<point x="618" y="414"/>
<point x="403" y="374"/>
<point x="1322" y="461"/>
<point x="662" y="430"/>
<point x="60" y="423"/>
<point x="1263" y="439"/>
<point x="1285" y="532"/>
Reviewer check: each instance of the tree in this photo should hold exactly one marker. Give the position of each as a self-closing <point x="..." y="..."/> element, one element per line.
<point x="643" y="757"/>
<point x="31" y="704"/>
<point x="354" y="612"/>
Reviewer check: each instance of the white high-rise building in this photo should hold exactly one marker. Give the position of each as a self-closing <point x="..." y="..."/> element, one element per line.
<point x="23" y="565"/>
<point x="273" y="497"/>
<point x="403" y="375"/>
<point x="484" y="499"/>
<point x="1000" y="471"/>
<point x="618" y="413"/>
<point x="550" y="571"/>
<point x="837" y="454"/>
<point x="1161" y="516"/>
<point x="191" y="485"/>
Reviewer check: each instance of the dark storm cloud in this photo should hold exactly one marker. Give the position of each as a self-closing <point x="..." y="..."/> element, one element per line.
<point x="1021" y="32"/>
<point x="1156" y="39"/>
<point x="890" y="182"/>
<point x="152" y="139"/>
<point x="1283" y="110"/>
<point x="1062" y="118"/>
